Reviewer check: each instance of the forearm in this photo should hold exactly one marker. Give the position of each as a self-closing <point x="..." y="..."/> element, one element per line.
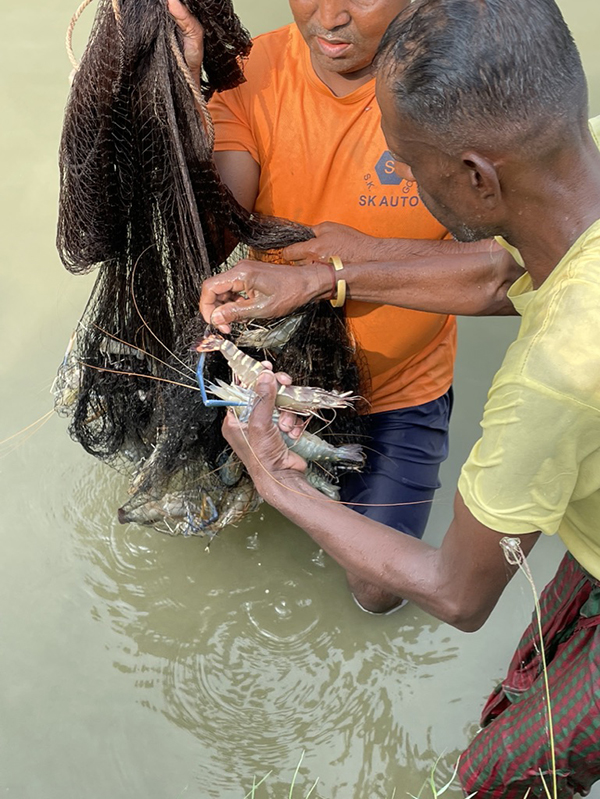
<point x="393" y="250"/>
<point x="382" y="556"/>
<point x="459" y="583"/>
<point x="440" y="277"/>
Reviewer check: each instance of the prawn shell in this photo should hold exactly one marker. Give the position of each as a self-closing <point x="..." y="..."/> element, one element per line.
<point x="316" y="450"/>
<point x="270" y="338"/>
<point x="322" y="484"/>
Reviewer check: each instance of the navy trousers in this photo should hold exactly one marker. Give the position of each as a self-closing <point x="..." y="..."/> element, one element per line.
<point x="404" y="455"/>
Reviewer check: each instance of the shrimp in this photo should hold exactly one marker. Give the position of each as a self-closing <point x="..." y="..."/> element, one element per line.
<point x="299" y="399"/>
<point x="313" y="448"/>
<point x="322" y="484"/>
<point x="270" y="338"/>
<point x="67" y="382"/>
<point x="229" y="467"/>
<point x="195" y="514"/>
<point x="309" y="445"/>
<point x="245" y="499"/>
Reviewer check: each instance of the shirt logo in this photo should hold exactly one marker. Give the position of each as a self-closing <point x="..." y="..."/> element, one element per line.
<point x="385" y="171"/>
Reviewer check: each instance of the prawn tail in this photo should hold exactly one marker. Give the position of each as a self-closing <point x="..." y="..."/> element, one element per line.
<point x="231" y="393"/>
<point x="351" y="453"/>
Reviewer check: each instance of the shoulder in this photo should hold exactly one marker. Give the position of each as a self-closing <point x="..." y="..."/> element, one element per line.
<point x="272" y="63"/>
<point x="563" y="346"/>
<point x="271" y="52"/>
<point x="594" y="124"/>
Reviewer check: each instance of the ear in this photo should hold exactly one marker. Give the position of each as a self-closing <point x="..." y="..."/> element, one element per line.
<point x="482" y="174"/>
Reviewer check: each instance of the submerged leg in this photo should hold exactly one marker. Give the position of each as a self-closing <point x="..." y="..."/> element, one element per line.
<point x="400" y="479"/>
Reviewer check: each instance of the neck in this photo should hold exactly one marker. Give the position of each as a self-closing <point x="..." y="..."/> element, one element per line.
<point x="546" y="222"/>
<point x="341" y="84"/>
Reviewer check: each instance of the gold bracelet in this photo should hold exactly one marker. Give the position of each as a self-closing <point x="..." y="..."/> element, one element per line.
<point x="340" y="297"/>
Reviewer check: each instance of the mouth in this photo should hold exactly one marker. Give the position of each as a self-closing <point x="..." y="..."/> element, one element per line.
<point x="332" y="48"/>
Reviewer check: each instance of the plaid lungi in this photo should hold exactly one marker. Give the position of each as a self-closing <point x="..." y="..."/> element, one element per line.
<point x="507" y="755"/>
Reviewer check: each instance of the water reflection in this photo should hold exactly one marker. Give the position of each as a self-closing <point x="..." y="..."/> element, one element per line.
<point x="256" y="651"/>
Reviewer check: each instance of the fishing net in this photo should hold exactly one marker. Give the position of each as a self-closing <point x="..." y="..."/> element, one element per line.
<point x="142" y="202"/>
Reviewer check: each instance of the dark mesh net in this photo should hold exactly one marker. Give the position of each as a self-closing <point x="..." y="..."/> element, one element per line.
<point x="141" y="200"/>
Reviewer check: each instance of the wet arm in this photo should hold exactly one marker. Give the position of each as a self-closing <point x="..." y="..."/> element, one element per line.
<point x="442" y="280"/>
<point x="458" y="583"/>
<point x="440" y="277"/>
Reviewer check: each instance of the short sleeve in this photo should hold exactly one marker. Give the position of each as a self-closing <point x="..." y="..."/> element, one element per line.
<point x="233" y="130"/>
<point x="594" y="124"/>
<point x="522" y="474"/>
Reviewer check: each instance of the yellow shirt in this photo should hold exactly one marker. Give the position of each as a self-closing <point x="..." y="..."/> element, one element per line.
<point x="537" y="464"/>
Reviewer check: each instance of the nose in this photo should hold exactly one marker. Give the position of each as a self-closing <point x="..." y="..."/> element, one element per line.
<point x="333" y="14"/>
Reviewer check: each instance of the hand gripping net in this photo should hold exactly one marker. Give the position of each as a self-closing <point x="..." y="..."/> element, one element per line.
<point x="142" y="202"/>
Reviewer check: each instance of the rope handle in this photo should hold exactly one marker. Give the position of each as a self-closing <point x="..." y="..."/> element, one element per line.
<point x="201" y="107"/>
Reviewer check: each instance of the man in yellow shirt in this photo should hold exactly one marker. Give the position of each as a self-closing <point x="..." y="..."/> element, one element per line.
<point x="484" y="104"/>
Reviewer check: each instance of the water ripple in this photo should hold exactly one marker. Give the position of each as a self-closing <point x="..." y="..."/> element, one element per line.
<point x="256" y="650"/>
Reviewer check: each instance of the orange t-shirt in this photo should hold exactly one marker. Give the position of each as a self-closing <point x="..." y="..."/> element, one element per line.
<point x="324" y="158"/>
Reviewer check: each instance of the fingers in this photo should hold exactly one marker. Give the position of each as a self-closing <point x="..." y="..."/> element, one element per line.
<point x="238" y="311"/>
<point x="216" y="292"/>
<point x="262" y="414"/>
<point x="302" y="252"/>
<point x="233" y="434"/>
<point x="255" y="291"/>
<point x="193" y="36"/>
<point x="292" y="424"/>
<point x="220" y="291"/>
<point x="186" y="21"/>
<point x="188" y="24"/>
<point x="178" y="11"/>
<point x="259" y="443"/>
<point x="283" y="378"/>
<point x="317" y="249"/>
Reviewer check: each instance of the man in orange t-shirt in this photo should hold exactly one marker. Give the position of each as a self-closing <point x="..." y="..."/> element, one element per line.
<point x="301" y="139"/>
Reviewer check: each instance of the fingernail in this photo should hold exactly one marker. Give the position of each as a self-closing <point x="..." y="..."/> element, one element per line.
<point x="217" y="318"/>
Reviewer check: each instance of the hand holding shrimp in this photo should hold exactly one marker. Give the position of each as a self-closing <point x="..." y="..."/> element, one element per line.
<point x="259" y="443"/>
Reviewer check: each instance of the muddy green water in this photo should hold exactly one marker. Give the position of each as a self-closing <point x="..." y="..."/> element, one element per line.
<point x="133" y="665"/>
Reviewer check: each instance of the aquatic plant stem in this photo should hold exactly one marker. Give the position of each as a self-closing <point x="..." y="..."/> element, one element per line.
<point x="256" y="785"/>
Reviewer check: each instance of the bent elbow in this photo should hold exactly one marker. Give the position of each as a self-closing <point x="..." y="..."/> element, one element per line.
<point x="464" y="617"/>
<point x="470" y="624"/>
<point x="494" y="299"/>
<point x="495" y="302"/>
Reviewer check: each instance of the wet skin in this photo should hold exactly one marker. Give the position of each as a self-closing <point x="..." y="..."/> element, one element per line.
<point x="343" y="37"/>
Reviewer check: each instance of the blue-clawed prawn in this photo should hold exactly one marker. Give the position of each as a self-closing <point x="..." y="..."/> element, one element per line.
<point x="299" y="399"/>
